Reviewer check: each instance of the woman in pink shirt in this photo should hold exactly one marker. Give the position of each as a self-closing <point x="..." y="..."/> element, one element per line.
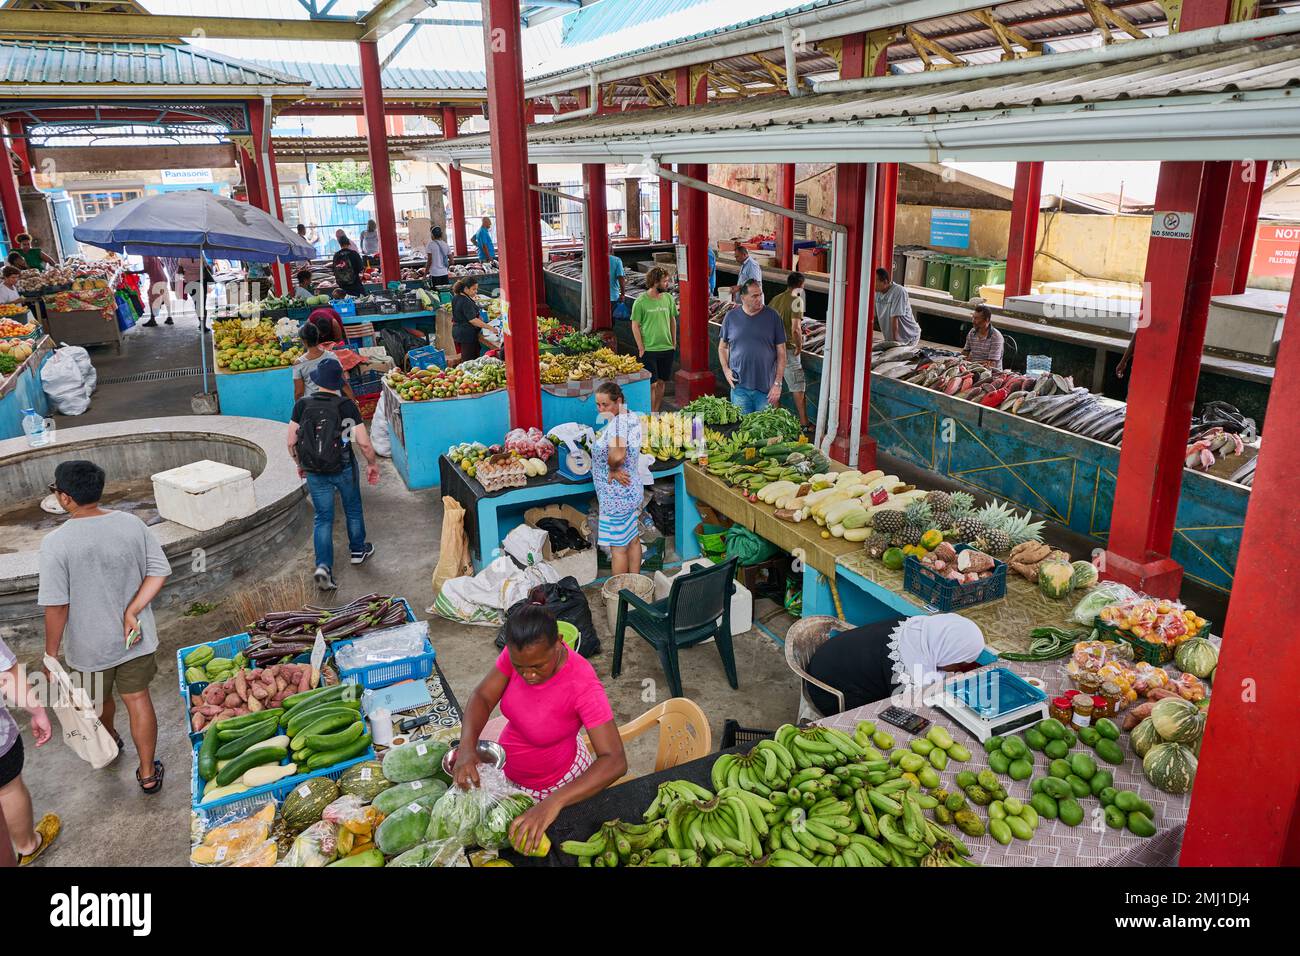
<point x="548" y="694"/>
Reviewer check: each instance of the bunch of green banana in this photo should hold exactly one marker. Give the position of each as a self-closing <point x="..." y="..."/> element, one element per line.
<point x="945" y="854"/>
<point x="714" y="826"/>
<point x="767" y="767"/>
<point x="818" y="746"/>
<point x="672" y="792"/>
<point x="666" y="856"/>
<point x="615" y="842"/>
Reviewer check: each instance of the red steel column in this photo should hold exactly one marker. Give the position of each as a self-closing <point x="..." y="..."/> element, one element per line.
<point x="1166" y="365"/>
<point x="505" y="80"/>
<point x="1240" y="219"/>
<point x="1257" y="673"/>
<point x="372" y="99"/>
<point x="886" y="214"/>
<point x="665" y="210"/>
<point x="268" y="188"/>
<point x="597" y="226"/>
<point x="785" y="225"/>
<point x="10" y="204"/>
<point x="456" y="187"/>
<point x="252" y="182"/>
<point x="694" y="378"/>
<point x="1023" y="240"/>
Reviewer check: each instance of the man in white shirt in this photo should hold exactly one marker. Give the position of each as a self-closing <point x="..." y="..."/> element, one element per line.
<point x="894" y="312"/>
<point x="9" y="286"/>
<point x="370" y="244"/>
<point x="437" y="266"/>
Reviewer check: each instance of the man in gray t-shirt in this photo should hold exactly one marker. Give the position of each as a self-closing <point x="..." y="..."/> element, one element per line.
<point x="894" y="312"/>
<point x="99" y="572"/>
<point x="751" y="353"/>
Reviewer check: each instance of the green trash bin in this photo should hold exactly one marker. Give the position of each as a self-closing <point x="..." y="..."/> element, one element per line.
<point x="985" y="272"/>
<point x="936" y="272"/>
<point x="959" y="272"/>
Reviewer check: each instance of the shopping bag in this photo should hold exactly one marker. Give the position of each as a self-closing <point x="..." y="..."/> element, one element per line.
<point x="82" y="729"/>
<point x="622" y="310"/>
<point x="453" y="553"/>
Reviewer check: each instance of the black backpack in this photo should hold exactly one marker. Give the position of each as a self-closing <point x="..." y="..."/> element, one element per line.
<point x="344" y="274"/>
<point x="320" y="435"/>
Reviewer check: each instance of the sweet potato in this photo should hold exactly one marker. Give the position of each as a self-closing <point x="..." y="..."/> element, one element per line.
<point x="1138" y="714"/>
<point x="1159" y="693"/>
<point x="241" y="686"/>
<point x="233" y="700"/>
<point x="213" y="694"/>
<point x="254" y="705"/>
<point x="304" y="678"/>
<point x="280" y="685"/>
<point x="227" y="712"/>
<point x="210" y="710"/>
<point x="1027" y="571"/>
<point x="260" y="691"/>
<point x="268" y="677"/>
<point x="197" y="722"/>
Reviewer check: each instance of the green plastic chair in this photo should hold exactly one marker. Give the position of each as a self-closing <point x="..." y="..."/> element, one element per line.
<point x="697" y="608"/>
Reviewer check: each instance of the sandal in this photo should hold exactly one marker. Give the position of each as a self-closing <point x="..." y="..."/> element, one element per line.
<point x="117" y="739"/>
<point x="151" y="784"/>
<point x="47" y="830"/>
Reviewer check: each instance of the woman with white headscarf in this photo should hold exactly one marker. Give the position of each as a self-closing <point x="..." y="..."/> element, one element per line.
<point x="873" y="662"/>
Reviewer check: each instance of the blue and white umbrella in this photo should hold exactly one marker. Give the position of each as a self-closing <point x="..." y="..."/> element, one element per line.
<point x="194" y="223"/>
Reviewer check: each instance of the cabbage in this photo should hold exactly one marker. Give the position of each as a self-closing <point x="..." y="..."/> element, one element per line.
<point x="1104" y="595"/>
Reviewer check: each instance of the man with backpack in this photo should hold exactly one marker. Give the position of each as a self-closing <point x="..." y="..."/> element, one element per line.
<point x="325" y="430"/>
<point x="348" y="267"/>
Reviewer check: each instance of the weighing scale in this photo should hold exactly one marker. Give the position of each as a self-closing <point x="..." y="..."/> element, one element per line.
<point x="991" y="702"/>
<point x="575" y="463"/>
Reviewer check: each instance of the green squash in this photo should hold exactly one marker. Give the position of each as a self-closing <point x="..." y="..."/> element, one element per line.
<point x="1085" y="574"/>
<point x="1178" y="721"/>
<point x="1055" y="579"/>
<point x="306" y="802"/>
<point x="1144" y="737"/>
<point x="1197" y="656"/>
<point x="1170" y="767"/>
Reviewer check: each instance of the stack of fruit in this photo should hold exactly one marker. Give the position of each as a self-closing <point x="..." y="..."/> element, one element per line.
<point x="425" y="384"/>
<point x="10" y="311"/>
<point x="1168" y="742"/>
<point x="244" y="347"/>
<point x="602" y="363"/>
<point x="668" y="436"/>
<point x="1154" y="620"/>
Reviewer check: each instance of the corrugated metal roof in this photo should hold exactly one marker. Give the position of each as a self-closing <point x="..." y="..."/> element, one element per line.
<point x="344" y="76"/>
<point x="65" y="62"/>
<point x="1269" y="65"/>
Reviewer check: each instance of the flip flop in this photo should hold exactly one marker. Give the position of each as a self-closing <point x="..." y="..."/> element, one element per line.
<point x="117" y="739"/>
<point x="152" y="784"/>
<point x="47" y="830"/>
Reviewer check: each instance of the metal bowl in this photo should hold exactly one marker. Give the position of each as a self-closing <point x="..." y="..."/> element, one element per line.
<point x="489" y="752"/>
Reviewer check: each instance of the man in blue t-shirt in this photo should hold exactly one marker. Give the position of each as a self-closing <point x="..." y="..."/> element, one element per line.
<point x="751" y="351"/>
<point x="483" y="241"/>
<point x="713" y="271"/>
<point x="617" y="280"/>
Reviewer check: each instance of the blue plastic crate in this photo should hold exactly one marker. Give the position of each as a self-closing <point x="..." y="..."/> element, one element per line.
<point x="344" y="306"/>
<point x="944" y="594"/>
<point x="381" y="675"/>
<point x="426" y="356"/>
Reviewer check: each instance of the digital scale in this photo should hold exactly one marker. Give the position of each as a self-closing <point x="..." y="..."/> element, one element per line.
<point x="991" y="702"/>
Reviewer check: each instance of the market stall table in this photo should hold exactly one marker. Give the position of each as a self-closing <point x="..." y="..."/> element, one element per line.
<point x="22" y="389"/>
<point x="423" y="431"/>
<point x="490" y="517"/>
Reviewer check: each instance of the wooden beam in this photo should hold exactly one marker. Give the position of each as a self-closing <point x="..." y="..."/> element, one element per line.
<point x="82" y="159"/>
<point x="1007" y="36"/>
<point x="388" y="15"/>
<point x="1103" y="16"/>
<point x="926" y="48"/>
<point x="80" y="26"/>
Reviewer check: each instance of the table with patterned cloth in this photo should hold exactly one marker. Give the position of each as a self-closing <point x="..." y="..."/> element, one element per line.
<point x="443" y="707"/>
<point x="1092" y="842"/>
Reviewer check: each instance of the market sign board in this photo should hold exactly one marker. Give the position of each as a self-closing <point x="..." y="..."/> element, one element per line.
<point x="186" y="177"/>
<point x="1171" y="225"/>
<point x="950" y="228"/>
<point x="1276" y="248"/>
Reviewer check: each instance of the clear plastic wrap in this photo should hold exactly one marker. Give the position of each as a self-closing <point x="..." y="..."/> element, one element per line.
<point x="234" y="840"/>
<point x="383" y="647"/>
<point x="432" y="853"/>
<point x="318" y="845"/>
<point x="1103" y="595"/>
<point x="480" y="816"/>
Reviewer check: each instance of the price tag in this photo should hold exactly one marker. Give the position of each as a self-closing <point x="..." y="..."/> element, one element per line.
<point x="221" y="854"/>
<point x="414" y="807"/>
<point x="365" y="773"/>
<point x="417" y="784"/>
<point x="317" y="658"/>
<point x="421" y="749"/>
<point x="879" y="495"/>
<point x="304" y="791"/>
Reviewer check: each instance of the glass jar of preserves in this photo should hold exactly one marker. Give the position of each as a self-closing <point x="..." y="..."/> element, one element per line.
<point x="1082" y="706"/>
<point x="1089" y="683"/>
<point x="1060" y="709"/>
<point x="1110" y="697"/>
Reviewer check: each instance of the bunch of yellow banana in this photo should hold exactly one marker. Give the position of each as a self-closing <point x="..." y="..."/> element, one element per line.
<point x="818" y="746"/>
<point x="767" y="767"/>
<point x="615" y="842"/>
<point x="723" y="824"/>
<point x="672" y="792"/>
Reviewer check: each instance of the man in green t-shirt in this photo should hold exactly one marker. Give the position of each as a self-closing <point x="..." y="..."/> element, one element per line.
<point x="789" y="306"/>
<point x="654" y="325"/>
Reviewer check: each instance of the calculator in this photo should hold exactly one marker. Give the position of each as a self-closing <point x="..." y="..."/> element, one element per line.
<point x="904" y="719"/>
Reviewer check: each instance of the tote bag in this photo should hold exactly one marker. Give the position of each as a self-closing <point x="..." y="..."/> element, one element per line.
<point x="82" y="729"/>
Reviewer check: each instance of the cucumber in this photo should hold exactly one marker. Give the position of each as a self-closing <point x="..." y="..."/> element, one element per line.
<point x="227" y="734"/>
<point x="247" y="761"/>
<point x="304" y="717"/>
<point x="333" y="692"/>
<point x="325" y="725"/>
<point x="329" y="758"/>
<point x="256" y="734"/>
<point x="208" y="754"/>
<point x="323" y="743"/>
<point x="243" y="720"/>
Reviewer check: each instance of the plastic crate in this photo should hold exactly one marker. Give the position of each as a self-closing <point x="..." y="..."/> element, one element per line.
<point x="944" y="594"/>
<point x="426" y="356"/>
<point x="251" y="800"/>
<point x="381" y="675"/>
<point x="344" y="306"/>
<point x="1152" y="652"/>
<point x="1036" y="364"/>
<point x="734" y="735"/>
<point x="300" y="314"/>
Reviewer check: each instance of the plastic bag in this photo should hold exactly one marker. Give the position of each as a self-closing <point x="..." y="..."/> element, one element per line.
<point x="526" y="545"/>
<point x="353" y="814"/>
<point x="318" y="845"/>
<point x="64" y="384"/>
<point x="480" y="816"/>
<point x="432" y="853"/>
<point x="381" y="435"/>
<point x="747" y="546"/>
<point x="1103" y="595"/>
<point x="88" y="373"/>
<point x="237" y="841"/>
<point x="382" y="647"/>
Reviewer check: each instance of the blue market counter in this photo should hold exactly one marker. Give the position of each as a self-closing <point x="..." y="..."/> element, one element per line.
<point x="423" y="431"/>
<point x="576" y="401"/>
<point x="257" y="393"/>
<point x="22" y="389"/>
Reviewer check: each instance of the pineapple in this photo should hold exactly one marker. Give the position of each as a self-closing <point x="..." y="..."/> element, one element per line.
<point x="878" y="544"/>
<point x="969" y="528"/>
<point x="995" y="515"/>
<point x="940" y="501"/>
<point x="994" y="541"/>
<point x="912" y="533"/>
<point x="920" y="514"/>
<point x="888" y="522"/>
<point x="942" y="520"/>
<point x="1020" y="529"/>
<point x="960" y="504"/>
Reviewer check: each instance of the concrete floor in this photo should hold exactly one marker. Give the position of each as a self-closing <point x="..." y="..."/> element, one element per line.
<point x="108" y="821"/>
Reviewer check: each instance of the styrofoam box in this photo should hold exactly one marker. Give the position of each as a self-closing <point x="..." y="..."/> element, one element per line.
<point x="204" y="494"/>
<point x="742" y="602"/>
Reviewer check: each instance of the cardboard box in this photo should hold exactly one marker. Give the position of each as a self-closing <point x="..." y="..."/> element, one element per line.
<point x="580" y="564"/>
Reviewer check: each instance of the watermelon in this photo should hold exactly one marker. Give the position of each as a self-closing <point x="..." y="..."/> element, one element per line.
<point x="1085" y="574"/>
<point x="1197" y="656"/>
<point x="307" y="801"/>
<point x="1178" y="721"/>
<point x="1144" y="737"/>
<point x="1170" y="767"/>
<point x="1054" y="578"/>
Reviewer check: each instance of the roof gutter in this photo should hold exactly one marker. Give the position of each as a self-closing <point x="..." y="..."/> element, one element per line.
<point x="113" y="90"/>
<point x="1115" y="53"/>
